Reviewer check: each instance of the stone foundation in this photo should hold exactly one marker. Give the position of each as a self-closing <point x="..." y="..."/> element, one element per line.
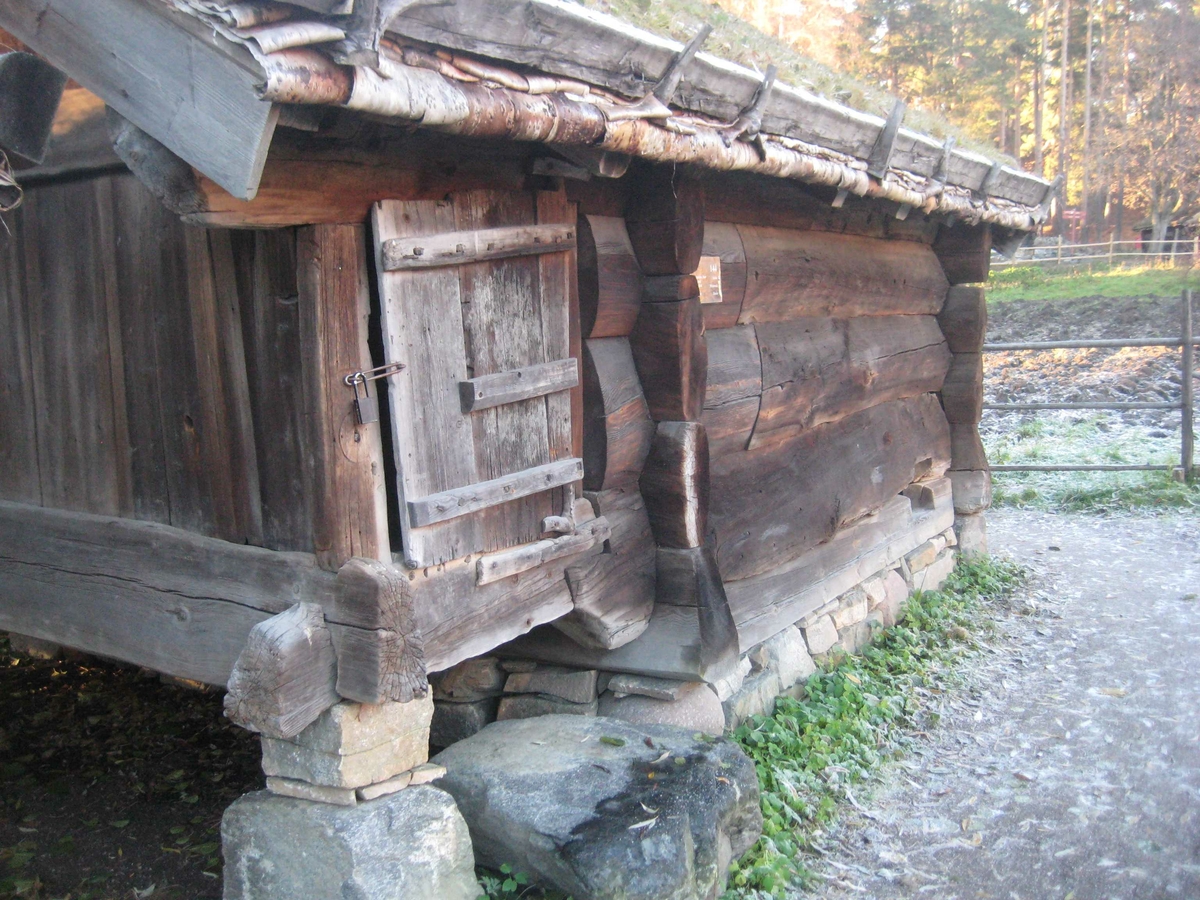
<point x="410" y="845"/>
<point x="480" y="691"/>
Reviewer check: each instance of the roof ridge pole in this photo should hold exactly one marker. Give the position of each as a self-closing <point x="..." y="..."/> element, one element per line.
<point x="669" y="82"/>
<point x="881" y="154"/>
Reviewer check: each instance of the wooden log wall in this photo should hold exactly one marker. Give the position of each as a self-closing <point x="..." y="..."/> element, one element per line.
<point x="964" y="322"/>
<point x="186" y="376"/>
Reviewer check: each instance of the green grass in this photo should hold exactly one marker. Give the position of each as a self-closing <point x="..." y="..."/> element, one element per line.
<point x="1038" y="283"/>
<point x="853" y="717"/>
<point x="1097" y="438"/>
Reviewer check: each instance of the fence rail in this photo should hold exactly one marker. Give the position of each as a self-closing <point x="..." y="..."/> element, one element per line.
<point x="1185" y="403"/>
<point x="1171" y="252"/>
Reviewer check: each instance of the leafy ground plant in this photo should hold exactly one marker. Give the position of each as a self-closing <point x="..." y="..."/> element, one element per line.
<point x="856" y="713"/>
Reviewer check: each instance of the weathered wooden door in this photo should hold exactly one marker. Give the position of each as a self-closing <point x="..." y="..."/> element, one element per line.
<point x="476" y="293"/>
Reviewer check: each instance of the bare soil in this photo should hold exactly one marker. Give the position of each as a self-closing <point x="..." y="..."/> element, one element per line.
<point x="112" y="783"/>
<point x="1068" y="764"/>
<point x="1128" y="374"/>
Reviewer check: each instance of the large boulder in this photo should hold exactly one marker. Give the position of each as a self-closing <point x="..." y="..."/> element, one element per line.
<point x="411" y="845"/>
<point x="600" y="808"/>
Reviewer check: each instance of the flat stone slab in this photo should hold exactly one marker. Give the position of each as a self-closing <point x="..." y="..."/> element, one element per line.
<point x="412" y="845"/>
<point x="602" y="809"/>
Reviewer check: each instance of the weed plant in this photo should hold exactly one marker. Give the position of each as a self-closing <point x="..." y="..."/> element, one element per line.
<point x="856" y="713"/>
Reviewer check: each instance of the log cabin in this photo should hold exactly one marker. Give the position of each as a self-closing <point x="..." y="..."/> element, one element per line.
<point x="491" y="328"/>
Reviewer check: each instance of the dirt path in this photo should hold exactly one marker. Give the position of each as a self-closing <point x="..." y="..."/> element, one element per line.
<point x="1069" y="767"/>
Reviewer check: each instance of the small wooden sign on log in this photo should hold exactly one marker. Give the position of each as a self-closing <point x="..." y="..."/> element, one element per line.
<point x="708" y="277"/>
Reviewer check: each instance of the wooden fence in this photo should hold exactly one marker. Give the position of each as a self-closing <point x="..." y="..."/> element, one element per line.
<point x="1179" y="252"/>
<point x="1185" y="403"/>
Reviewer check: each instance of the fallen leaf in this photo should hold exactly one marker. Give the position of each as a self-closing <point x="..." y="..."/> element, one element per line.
<point x="612" y="741"/>
<point x="1114" y="692"/>
<point x="646" y="823"/>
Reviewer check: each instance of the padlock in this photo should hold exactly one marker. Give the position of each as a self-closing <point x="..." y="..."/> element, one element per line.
<point x="366" y="407"/>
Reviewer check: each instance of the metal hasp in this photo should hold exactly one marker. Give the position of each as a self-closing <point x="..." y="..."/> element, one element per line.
<point x="30" y="89"/>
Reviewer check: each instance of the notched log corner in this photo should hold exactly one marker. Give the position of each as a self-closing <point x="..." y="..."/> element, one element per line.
<point x="380" y="650"/>
<point x="284" y="677"/>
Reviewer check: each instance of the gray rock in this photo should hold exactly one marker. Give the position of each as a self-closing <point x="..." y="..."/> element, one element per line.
<point x="696" y="708"/>
<point x="820" y="635"/>
<point x="574" y="685"/>
<point x="452" y="722"/>
<point x="935" y="574"/>
<point x="469" y="681"/>
<point x="646" y="686"/>
<point x="732" y="683"/>
<point x="755" y="698"/>
<point x="972" y="534"/>
<point x="528" y="706"/>
<point x="412" y="845"/>
<point x="787" y="655"/>
<point x="555" y="798"/>
<point x="851" y="610"/>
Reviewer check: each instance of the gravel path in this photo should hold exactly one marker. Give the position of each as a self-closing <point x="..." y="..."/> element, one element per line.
<point x="1068" y="768"/>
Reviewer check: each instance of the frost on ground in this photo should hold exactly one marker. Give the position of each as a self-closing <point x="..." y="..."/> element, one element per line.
<point x="1145" y="374"/>
<point x="1068" y="764"/>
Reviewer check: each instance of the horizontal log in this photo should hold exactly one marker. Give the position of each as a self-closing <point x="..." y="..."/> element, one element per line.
<point x="810" y="273"/>
<point x="965" y="252"/>
<point x="319" y="178"/>
<point x="445" y="505"/>
<point x="388" y="654"/>
<point x="963" y="319"/>
<point x="817" y="370"/>
<point x="723" y="243"/>
<point x="509" y="563"/>
<point x="750" y="198"/>
<point x="665" y="218"/>
<point x="285" y="676"/>
<point x="962" y="393"/>
<point x="772" y="503"/>
<point x="487" y="391"/>
<point x="766" y="604"/>
<point x="617" y="427"/>
<point x="460" y="619"/>
<point x="148" y="594"/>
<point x="730" y="425"/>
<point x="671" y="646"/>
<point x="613" y="593"/>
<point x="672" y="359"/>
<point x="455" y="248"/>
<point x="735" y="367"/>
<point x="691" y="638"/>
<point x="610" y="280"/>
<point x="674" y="484"/>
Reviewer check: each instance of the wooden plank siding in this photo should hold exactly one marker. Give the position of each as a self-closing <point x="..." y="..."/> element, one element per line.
<point x="172" y="374"/>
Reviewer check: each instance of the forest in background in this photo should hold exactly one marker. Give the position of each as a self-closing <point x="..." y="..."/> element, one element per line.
<point x="1106" y="92"/>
